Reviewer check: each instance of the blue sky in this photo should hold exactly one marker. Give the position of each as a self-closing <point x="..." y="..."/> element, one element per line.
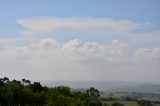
<point x="70" y="39"/>
<point x="134" y="10"/>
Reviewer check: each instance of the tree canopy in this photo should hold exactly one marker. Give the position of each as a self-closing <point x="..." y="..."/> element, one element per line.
<point x="25" y="93"/>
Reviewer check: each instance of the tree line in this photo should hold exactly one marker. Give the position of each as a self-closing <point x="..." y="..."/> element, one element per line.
<point x="25" y="93"/>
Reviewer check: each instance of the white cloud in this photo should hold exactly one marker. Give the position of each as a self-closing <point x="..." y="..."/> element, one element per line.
<point x="118" y="48"/>
<point x="10" y="42"/>
<point x="50" y="24"/>
<point x="149" y="55"/>
<point x="127" y="30"/>
<point x="147" y="38"/>
<point x="45" y="58"/>
<point x="45" y="43"/>
<point x="73" y="60"/>
<point x="73" y="44"/>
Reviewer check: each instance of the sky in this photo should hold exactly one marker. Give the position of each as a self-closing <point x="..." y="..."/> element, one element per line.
<point x="72" y="40"/>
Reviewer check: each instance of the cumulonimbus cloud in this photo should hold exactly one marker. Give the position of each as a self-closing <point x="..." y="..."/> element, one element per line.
<point x="34" y="57"/>
<point x="122" y="29"/>
<point x="50" y="24"/>
<point x="74" y="60"/>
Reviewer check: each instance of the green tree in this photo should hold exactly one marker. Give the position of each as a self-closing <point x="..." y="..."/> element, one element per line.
<point x="25" y="93"/>
<point x="93" y="93"/>
<point x="117" y="104"/>
<point x="145" y="103"/>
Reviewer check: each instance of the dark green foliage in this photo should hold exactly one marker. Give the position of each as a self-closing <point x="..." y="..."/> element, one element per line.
<point x="93" y="93"/>
<point x="14" y="93"/>
<point x="25" y="93"/>
<point x="117" y="104"/>
<point x="58" y="96"/>
<point x="105" y="104"/>
<point x="144" y="103"/>
<point x="62" y="96"/>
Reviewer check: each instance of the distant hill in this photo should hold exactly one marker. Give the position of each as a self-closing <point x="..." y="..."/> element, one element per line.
<point x="110" y="86"/>
<point x="132" y="95"/>
<point x="142" y="88"/>
<point x="115" y="89"/>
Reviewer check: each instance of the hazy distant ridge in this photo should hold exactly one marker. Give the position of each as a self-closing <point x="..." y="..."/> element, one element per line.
<point x="111" y="86"/>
